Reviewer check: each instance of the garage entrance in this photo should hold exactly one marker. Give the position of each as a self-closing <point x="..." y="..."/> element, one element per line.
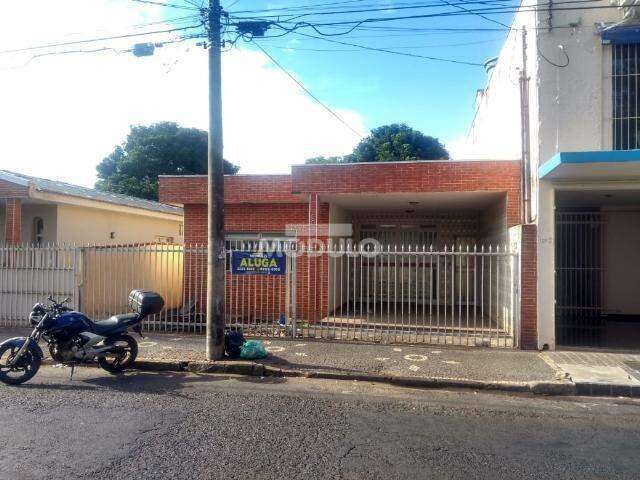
<point x="597" y="273"/>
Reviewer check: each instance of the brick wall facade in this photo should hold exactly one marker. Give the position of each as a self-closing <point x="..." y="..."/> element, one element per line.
<point x="268" y="293"/>
<point x="241" y="189"/>
<point x="13" y="190"/>
<point x="529" y="288"/>
<point x="268" y="203"/>
<point x="13" y="221"/>
<point x="445" y="176"/>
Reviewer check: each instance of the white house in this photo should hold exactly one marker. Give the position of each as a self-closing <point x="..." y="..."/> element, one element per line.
<point x="563" y="95"/>
<point x="39" y="211"/>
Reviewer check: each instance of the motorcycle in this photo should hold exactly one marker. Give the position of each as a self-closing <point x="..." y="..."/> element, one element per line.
<point x="74" y="339"/>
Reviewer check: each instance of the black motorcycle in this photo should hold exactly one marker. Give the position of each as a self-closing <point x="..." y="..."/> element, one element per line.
<point x="74" y="339"/>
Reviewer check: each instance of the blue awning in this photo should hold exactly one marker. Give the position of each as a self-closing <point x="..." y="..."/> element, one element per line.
<point x="621" y="35"/>
<point x="603" y="165"/>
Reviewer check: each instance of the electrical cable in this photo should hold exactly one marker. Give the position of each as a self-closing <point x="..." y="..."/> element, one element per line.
<point x="307" y="91"/>
<point x="440" y="45"/>
<point x="566" y="64"/>
<point x="491" y="11"/>
<point x="161" y="4"/>
<point x="93" y="40"/>
<point x="384" y="50"/>
<point x="478" y="14"/>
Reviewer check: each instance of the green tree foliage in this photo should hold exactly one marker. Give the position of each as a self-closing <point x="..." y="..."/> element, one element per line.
<point x="163" y="148"/>
<point x="397" y="142"/>
<point x="391" y="143"/>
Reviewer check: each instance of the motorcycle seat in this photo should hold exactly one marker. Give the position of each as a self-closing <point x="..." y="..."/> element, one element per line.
<point x="115" y="322"/>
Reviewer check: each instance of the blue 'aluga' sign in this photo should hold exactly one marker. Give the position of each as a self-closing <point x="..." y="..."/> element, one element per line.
<point x="258" y="263"/>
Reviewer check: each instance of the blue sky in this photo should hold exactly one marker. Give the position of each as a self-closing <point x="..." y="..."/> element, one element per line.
<point x="434" y="97"/>
<point x="83" y="98"/>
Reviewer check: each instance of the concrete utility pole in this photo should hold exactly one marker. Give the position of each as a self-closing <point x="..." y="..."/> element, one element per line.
<point x="215" y="190"/>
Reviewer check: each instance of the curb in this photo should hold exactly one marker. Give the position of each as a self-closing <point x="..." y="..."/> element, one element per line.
<point x="261" y="370"/>
<point x="247" y="368"/>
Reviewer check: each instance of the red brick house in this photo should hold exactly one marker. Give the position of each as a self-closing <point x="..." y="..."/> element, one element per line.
<point x="447" y="208"/>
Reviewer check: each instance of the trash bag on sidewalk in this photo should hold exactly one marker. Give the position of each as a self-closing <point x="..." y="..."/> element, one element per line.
<point x="252" y="350"/>
<point x="233" y="342"/>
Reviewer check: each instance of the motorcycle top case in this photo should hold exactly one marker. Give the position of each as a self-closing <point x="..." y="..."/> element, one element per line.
<point x="145" y="302"/>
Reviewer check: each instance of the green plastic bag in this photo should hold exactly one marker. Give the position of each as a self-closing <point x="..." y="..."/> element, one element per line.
<point x="252" y="350"/>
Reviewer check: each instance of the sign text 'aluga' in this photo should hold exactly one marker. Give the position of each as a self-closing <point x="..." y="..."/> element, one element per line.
<point x="258" y="263"/>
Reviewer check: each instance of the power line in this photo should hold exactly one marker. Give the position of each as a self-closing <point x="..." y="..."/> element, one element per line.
<point x="307" y="91"/>
<point x="300" y="7"/>
<point x="191" y="2"/>
<point x="439" y="45"/>
<point x="413" y="6"/>
<point x="370" y="6"/>
<point x="487" y="11"/>
<point x="161" y="4"/>
<point x="405" y="6"/>
<point x="384" y="50"/>
<point x="172" y="21"/>
<point x="478" y="14"/>
<point x="93" y="40"/>
<point x="46" y="54"/>
<point x="99" y="50"/>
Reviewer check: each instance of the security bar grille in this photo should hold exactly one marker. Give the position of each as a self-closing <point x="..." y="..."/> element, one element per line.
<point x="450" y="296"/>
<point x="455" y="295"/>
<point x="625" y="96"/>
<point x="579" y="318"/>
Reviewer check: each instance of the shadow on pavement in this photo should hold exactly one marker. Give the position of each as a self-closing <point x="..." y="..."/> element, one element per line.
<point x="275" y="361"/>
<point x="131" y="382"/>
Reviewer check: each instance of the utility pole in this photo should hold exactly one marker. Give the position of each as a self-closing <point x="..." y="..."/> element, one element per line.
<point x="215" y="191"/>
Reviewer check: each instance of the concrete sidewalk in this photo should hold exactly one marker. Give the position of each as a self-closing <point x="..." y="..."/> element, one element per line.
<point x="425" y="365"/>
<point x="360" y="360"/>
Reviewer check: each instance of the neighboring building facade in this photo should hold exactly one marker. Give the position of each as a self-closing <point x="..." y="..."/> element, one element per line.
<point x="39" y="211"/>
<point x="574" y="118"/>
<point x="423" y="204"/>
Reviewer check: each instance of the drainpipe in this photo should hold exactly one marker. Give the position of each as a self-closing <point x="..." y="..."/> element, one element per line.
<point x="525" y="173"/>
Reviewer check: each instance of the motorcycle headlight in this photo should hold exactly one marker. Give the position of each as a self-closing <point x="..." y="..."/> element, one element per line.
<point x="34" y="318"/>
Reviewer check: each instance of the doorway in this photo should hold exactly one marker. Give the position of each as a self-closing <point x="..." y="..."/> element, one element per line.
<point x="597" y="269"/>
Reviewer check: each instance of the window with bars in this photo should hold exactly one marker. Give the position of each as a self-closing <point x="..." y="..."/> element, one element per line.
<point x="625" y="72"/>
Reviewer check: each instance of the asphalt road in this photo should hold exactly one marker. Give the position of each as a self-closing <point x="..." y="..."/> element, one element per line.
<point x="185" y="426"/>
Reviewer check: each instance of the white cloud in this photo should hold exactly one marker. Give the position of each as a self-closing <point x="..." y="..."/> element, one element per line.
<point x="62" y="114"/>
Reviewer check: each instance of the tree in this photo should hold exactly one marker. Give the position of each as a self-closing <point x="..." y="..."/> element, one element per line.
<point x="163" y="148"/>
<point x="396" y="142"/>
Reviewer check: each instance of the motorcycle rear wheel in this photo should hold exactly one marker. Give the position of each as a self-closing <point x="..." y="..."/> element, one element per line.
<point x="123" y="356"/>
<point x="23" y="371"/>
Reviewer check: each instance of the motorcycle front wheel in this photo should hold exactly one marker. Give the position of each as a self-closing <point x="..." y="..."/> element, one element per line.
<point x="121" y="356"/>
<point x="23" y="371"/>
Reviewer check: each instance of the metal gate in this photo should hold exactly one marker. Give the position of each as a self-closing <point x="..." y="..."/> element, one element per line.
<point x="455" y="296"/>
<point x="579" y="318"/>
<point x="29" y="274"/>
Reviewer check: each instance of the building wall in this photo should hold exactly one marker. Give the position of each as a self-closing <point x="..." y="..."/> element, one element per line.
<point x="12" y="190"/>
<point x="621" y="261"/>
<point x="569" y="107"/>
<point x="430" y="176"/>
<point x="495" y="131"/>
<point x="82" y="225"/>
<point x="192" y="189"/>
<point x="3" y="219"/>
<point x="267" y="296"/>
<point x="49" y="216"/>
<point x="267" y="204"/>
